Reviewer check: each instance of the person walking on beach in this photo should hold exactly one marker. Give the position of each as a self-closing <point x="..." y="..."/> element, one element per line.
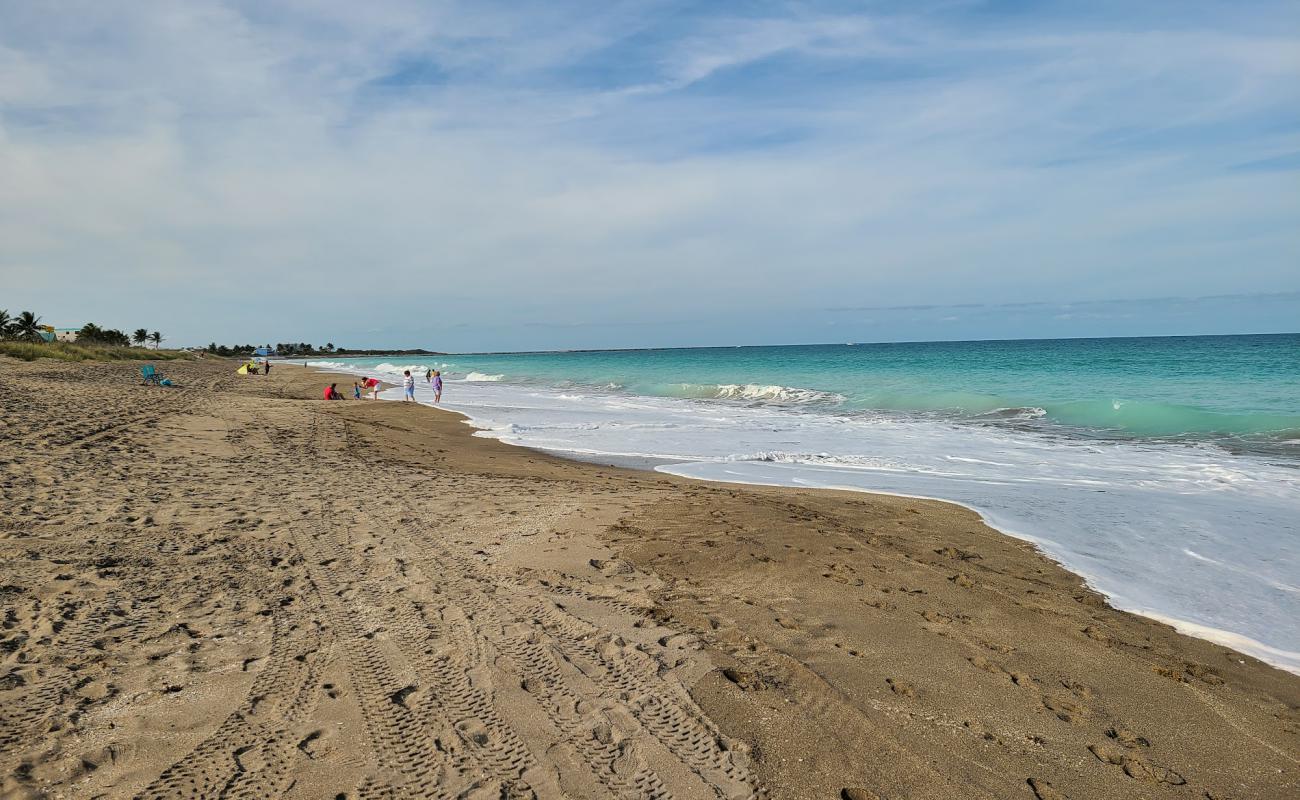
<point x="408" y="383"/>
<point x="267" y="368"/>
<point x="428" y="376"/>
<point x="437" y="386"/>
<point x="356" y="391"/>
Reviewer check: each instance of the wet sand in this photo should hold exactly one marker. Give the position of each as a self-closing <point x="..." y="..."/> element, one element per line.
<point x="233" y="589"/>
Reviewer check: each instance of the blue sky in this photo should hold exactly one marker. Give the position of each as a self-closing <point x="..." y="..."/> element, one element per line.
<point x="535" y="175"/>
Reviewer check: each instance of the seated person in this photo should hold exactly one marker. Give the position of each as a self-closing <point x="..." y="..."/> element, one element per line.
<point x="332" y="393"/>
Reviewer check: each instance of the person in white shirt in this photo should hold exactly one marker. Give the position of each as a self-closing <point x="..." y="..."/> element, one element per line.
<point x="408" y="383"/>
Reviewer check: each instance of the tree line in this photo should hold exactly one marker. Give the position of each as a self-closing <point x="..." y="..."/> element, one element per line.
<point x="287" y="349"/>
<point x="27" y="327"/>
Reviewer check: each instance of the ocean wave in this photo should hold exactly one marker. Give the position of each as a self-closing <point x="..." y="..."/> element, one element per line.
<point x="479" y="377"/>
<point x="395" y="369"/>
<point x="1015" y="412"/>
<point x="755" y="392"/>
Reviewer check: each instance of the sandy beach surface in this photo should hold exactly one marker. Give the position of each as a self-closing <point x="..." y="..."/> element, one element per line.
<point x="235" y="589"/>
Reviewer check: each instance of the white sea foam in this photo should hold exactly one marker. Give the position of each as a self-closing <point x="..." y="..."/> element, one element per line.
<point x="756" y="392"/>
<point x="1032" y="412"/>
<point x="1187" y="533"/>
<point x="398" y="369"/>
<point x="479" y="377"/>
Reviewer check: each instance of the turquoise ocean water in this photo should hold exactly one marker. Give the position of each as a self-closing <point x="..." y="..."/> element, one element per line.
<point x="1223" y="386"/>
<point x="1165" y="471"/>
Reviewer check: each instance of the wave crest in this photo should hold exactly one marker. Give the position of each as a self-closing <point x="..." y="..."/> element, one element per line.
<point x="1019" y="412"/>
<point x="759" y="393"/>
<point x="479" y="377"/>
<point x="396" y="369"/>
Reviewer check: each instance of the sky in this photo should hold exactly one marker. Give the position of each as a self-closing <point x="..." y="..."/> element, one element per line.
<point x="537" y="175"/>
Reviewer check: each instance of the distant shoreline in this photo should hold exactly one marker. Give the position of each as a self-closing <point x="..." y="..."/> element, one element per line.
<point x="362" y="354"/>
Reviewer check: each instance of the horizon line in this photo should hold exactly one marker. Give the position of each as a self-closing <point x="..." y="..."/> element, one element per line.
<point x="396" y="350"/>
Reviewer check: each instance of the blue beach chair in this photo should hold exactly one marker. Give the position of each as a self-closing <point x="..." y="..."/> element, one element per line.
<point x="150" y="375"/>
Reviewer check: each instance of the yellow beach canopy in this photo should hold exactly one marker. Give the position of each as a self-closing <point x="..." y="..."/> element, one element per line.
<point x="243" y="370"/>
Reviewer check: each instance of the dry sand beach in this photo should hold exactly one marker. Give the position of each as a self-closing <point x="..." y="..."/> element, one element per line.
<point x="234" y="589"/>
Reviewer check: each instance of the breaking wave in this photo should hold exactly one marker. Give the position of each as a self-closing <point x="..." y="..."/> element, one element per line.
<point x="754" y="392"/>
<point x="1023" y="412"/>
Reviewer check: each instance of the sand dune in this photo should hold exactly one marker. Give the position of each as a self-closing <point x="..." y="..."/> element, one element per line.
<point x="231" y="589"/>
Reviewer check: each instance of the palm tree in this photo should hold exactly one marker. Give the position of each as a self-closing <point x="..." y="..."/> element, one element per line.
<point x="157" y="339"/>
<point x="140" y="336"/>
<point x="5" y="319"/>
<point x="26" y="326"/>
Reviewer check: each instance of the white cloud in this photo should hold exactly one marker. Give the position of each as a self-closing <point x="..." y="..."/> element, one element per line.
<point x="204" y="149"/>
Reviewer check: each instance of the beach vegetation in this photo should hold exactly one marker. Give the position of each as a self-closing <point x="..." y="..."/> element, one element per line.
<point x="79" y="351"/>
<point x="24" y="327"/>
<point x="92" y="335"/>
<point x="305" y="349"/>
<point x="227" y="351"/>
<point x="296" y="349"/>
<point x="25" y="337"/>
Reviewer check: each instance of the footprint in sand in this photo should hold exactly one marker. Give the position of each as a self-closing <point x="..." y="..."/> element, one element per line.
<point x="953" y="552"/>
<point x="1126" y="737"/>
<point x="749" y="681"/>
<point x="1066" y="709"/>
<point x="1077" y="689"/>
<point x="1096" y="634"/>
<point x="315" y="744"/>
<point x="1136" y="768"/>
<point x="980" y="662"/>
<point x="473" y="730"/>
<point x="1044" y="790"/>
<point x="1204" y="673"/>
<point x="404" y="696"/>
